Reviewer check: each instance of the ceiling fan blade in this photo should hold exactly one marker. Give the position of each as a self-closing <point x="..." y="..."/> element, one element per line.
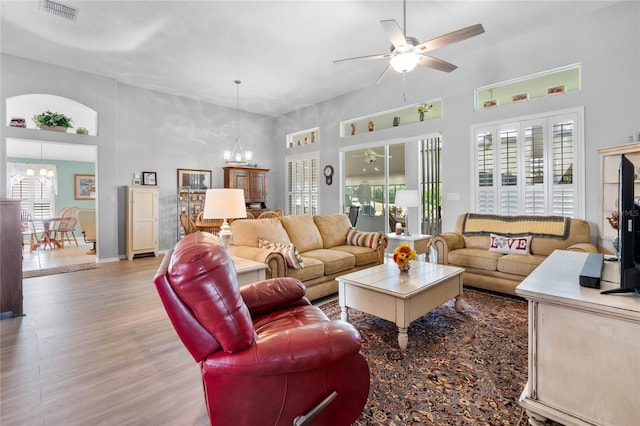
<point x="384" y="74"/>
<point x="395" y="34"/>
<point x="439" y="64"/>
<point x="363" y="58"/>
<point x="452" y="37"/>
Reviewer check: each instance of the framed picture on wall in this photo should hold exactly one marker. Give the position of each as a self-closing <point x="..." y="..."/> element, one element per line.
<point x="84" y="187"/>
<point x="149" y="178"/>
<point x="194" y="179"/>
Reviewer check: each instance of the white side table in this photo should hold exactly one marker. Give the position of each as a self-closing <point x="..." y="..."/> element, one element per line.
<point x="418" y="242"/>
<point x="249" y="271"/>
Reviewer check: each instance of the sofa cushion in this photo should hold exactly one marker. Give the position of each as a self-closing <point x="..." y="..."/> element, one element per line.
<point x="364" y="239"/>
<point x="541" y="226"/>
<point x="334" y="260"/>
<point x="518" y="264"/>
<point x="510" y="245"/>
<point x="246" y="232"/>
<point x="289" y="252"/>
<point x="363" y="255"/>
<point x="303" y="232"/>
<point x="478" y="258"/>
<point x="313" y="268"/>
<point x="333" y="229"/>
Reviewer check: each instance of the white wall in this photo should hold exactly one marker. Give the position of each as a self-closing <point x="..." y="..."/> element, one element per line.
<point x="142" y="130"/>
<point x="139" y="130"/>
<point x="606" y="43"/>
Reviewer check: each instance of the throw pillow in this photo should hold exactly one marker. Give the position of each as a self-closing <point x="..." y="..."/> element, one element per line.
<point x="363" y="239"/>
<point x="510" y="245"/>
<point x="289" y="251"/>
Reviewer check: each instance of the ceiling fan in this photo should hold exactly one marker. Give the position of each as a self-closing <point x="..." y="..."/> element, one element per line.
<point x="406" y="52"/>
<point x="369" y="156"/>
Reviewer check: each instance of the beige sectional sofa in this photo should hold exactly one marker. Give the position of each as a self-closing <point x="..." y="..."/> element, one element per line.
<point x="321" y="241"/>
<point x="468" y="247"/>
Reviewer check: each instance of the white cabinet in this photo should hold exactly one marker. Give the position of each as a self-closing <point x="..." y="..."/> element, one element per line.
<point x="583" y="347"/>
<point x="609" y="165"/>
<point x="142" y="220"/>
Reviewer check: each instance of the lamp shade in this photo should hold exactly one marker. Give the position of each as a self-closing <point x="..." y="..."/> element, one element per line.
<point x="407" y="198"/>
<point x="224" y="203"/>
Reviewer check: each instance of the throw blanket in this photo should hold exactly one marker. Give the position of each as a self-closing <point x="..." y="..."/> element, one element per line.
<point x="538" y="226"/>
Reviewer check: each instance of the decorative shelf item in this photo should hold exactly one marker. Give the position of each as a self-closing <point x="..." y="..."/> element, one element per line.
<point x="304" y="137"/>
<point x="406" y="115"/>
<point x="54" y="121"/>
<point x="552" y="82"/>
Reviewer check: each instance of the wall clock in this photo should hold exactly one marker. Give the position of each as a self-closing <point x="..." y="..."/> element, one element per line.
<point x="328" y="174"/>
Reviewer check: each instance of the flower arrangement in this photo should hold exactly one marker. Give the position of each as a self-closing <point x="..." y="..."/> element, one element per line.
<point x="402" y="255"/>
<point x="423" y="107"/>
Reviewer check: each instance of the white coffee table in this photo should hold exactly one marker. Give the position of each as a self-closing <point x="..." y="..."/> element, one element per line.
<point x="387" y="293"/>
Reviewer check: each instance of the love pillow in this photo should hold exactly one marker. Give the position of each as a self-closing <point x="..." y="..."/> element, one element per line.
<point x="510" y="245"/>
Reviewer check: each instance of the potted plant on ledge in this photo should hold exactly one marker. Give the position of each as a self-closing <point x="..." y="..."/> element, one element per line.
<point x="52" y="121"/>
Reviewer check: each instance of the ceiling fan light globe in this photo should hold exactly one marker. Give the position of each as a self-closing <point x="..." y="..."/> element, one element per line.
<point x="404" y="62"/>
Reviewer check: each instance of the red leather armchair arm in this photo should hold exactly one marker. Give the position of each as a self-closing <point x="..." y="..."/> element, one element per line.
<point x="276" y="293"/>
<point x="288" y="349"/>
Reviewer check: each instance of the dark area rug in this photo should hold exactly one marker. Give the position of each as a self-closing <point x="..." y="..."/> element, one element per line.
<point x="465" y="368"/>
<point x="59" y="270"/>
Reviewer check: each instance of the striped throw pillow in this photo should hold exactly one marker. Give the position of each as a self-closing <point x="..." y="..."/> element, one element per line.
<point x="289" y="251"/>
<point x="364" y="239"/>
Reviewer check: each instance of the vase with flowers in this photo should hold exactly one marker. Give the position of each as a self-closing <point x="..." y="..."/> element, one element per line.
<point x="422" y="109"/>
<point x="402" y="255"/>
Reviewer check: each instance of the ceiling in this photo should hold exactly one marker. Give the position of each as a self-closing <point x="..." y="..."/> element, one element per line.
<point x="283" y="51"/>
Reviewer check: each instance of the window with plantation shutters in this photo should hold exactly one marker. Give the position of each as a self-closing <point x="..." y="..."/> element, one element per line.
<point x="534" y="168"/>
<point x="509" y="201"/>
<point x="302" y="184"/>
<point x="485" y="171"/>
<point x="37" y="197"/>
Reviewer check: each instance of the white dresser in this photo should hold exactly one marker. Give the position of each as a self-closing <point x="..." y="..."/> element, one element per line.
<point x="584" y="347"/>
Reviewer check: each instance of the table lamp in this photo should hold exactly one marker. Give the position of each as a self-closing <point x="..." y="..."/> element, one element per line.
<point x="407" y="198"/>
<point x="224" y="203"/>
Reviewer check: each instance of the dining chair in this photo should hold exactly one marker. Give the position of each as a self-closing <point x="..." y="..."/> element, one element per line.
<point x="187" y="224"/>
<point x="65" y="230"/>
<point x="29" y="232"/>
<point x="266" y="215"/>
<point x="87" y="222"/>
<point x="64" y="227"/>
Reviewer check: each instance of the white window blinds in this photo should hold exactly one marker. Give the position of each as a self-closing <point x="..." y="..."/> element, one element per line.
<point x="536" y="172"/>
<point x="302" y="184"/>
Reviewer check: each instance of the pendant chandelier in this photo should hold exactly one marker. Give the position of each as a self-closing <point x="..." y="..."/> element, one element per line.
<point x="43" y="170"/>
<point x="238" y="156"/>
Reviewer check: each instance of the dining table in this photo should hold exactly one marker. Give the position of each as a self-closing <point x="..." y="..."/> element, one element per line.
<point x="208" y="225"/>
<point x="47" y="237"/>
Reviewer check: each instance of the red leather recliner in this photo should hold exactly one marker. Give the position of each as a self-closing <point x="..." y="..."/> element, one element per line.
<point x="267" y="356"/>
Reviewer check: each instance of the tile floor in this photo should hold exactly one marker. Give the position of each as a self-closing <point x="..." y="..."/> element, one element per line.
<point x="71" y="254"/>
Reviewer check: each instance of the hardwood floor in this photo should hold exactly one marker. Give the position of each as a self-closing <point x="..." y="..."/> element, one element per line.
<point x="97" y="348"/>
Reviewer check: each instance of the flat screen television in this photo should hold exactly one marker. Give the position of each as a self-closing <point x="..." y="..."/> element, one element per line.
<point x="628" y="231"/>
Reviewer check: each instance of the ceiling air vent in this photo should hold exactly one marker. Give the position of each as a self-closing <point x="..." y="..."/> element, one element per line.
<point x="58" y="9"/>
